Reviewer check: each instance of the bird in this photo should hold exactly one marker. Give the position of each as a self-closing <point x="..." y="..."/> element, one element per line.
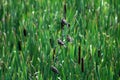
<point x="69" y="39"/>
<point x="64" y="22"/>
<point x="60" y="42"/>
<point x="54" y="69"/>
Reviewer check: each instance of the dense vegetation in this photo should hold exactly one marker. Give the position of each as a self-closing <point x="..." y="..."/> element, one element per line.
<point x="59" y="40"/>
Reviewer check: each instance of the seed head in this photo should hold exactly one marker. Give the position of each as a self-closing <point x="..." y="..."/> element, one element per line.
<point x="82" y="65"/>
<point x="53" y="53"/>
<point x="99" y="53"/>
<point x="51" y="42"/>
<point x="24" y="32"/>
<point x="79" y="54"/>
<point x="20" y="45"/>
<point x="64" y="11"/>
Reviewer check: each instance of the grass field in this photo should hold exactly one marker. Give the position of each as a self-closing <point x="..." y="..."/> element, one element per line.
<point x="59" y="40"/>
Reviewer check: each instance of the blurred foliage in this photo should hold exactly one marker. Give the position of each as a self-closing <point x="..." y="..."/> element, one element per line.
<point x="29" y="33"/>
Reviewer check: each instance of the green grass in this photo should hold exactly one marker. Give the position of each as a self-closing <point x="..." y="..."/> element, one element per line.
<point x="94" y="26"/>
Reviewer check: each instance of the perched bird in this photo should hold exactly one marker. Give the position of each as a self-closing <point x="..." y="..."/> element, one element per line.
<point x="54" y="69"/>
<point x="64" y="22"/>
<point x="69" y="39"/>
<point x="60" y="42"/>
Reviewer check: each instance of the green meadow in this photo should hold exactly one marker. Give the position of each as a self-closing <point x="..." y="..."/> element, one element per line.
<point x="59" y="39"/>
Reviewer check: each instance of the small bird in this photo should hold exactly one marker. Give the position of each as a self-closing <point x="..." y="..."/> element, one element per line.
<point x="54" y="69"/>
<point x="60" y="42"/>
<point x="64" y="22"/>
<point x="69" y="39"/>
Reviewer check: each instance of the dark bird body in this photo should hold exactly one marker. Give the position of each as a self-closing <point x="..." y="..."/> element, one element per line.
<point x="54" y="69"/>
<point x="60" y="42"/>
<point x="64" y="22"/>
<point x="69" y="39"/>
